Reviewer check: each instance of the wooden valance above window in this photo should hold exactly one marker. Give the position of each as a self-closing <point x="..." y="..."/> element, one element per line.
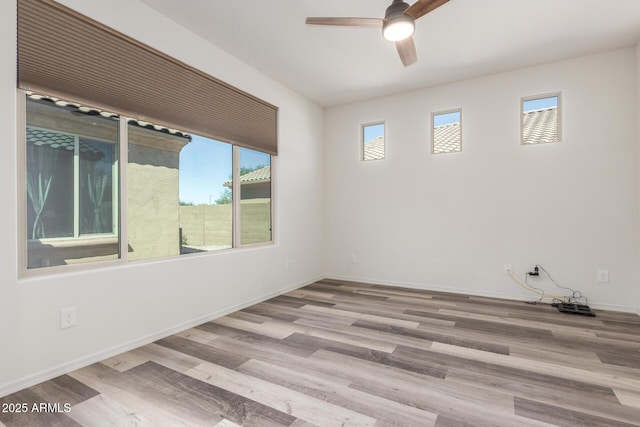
<point x="68" y="55"/>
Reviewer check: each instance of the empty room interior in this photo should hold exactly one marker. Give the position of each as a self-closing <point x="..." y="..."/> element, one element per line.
<point x="318" y="213"/>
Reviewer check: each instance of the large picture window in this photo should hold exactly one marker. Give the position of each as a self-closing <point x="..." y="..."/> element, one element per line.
<point x="96" y="185"/>
<point x="180" y="193"/>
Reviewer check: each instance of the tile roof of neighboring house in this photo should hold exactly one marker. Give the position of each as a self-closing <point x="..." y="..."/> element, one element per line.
<point x="40" y="137"/>
<point x="53" y="139"/>
<point x="447" y="138"/>
<point x="540" y="126"/>
<point x="95" y="112"/>
<point x="259" y="175"/>
<point x="374" y="149"/>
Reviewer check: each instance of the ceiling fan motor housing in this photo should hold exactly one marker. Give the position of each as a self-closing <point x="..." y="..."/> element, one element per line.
<point x="397" y="25"/>
<point x="396" y="8"/>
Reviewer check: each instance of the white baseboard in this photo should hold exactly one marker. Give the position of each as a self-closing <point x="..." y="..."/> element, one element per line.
<point x="14" y="386"/>
<point x="474" y="292"/>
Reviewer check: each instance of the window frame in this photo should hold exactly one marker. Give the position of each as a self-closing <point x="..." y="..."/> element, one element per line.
<point x="237" y="201"/>
<point x="120" y="188"/>
<point x="362" y="141"/>
<point x="115" y="168"/>
<point x="559" y="114"/>
<point x="434" y="114"/>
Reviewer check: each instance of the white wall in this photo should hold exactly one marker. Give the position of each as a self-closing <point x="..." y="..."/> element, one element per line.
<point x="441" y="222"/>
<point x="120" y="307"/>
<point x="638" y="168"/>
<point x="451" y="221"/>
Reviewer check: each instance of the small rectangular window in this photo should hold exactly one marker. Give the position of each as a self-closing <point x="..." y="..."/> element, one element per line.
<point x="540" y="119"/>
<point x="373" y="141"/>
<point x="446" y="131"/>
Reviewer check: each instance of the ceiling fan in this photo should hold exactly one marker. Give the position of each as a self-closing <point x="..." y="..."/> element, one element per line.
<point x="397" y="26"/>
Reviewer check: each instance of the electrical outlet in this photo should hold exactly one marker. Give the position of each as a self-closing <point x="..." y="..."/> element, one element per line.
<point x="67" y="317"/>
<point x="288" y="265"/>
<point x="603" y="276"/>
<point x="507" y="269"/>
<point x="353" y="258"/>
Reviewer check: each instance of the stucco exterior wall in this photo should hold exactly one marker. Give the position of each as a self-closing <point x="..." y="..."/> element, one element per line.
<point x="153" y="201"/>
<point x="257" y="190"/>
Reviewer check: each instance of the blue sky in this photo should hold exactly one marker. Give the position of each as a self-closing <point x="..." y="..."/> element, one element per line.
<point x="446" y="118"/>
<point x="536" y="104"/>
<point x="373" y="131"/>
<point x="206" y="164"/>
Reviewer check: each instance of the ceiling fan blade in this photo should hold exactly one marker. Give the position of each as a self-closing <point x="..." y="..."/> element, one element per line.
<point x="407" y="51"/>
<point x="422" y="7"/>
<point x="346" y="22"/>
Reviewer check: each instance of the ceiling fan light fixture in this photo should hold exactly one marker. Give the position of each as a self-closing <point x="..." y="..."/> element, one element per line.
<point x="398" y="29"/>
<point x="397" y="25"/>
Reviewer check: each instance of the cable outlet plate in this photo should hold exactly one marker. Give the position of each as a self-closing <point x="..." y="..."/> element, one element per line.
<point x="507" y="269"/>
<point x="603" y="276"/>
<point x="67" y="317"/>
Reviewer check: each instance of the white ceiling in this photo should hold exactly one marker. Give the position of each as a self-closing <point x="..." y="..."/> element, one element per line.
<point x="460" y="40"/>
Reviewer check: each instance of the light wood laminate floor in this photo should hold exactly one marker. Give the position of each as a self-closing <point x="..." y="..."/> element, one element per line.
<point x="345" y="354"/>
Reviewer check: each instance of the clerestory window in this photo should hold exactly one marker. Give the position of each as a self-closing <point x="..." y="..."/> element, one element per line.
<point x="373" y="144"/>
<point x="540" y="119"/>
<point x="446" y="131"/>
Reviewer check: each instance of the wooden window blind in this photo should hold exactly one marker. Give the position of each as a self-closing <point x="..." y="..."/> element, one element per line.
<point x="66" y="54"/>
